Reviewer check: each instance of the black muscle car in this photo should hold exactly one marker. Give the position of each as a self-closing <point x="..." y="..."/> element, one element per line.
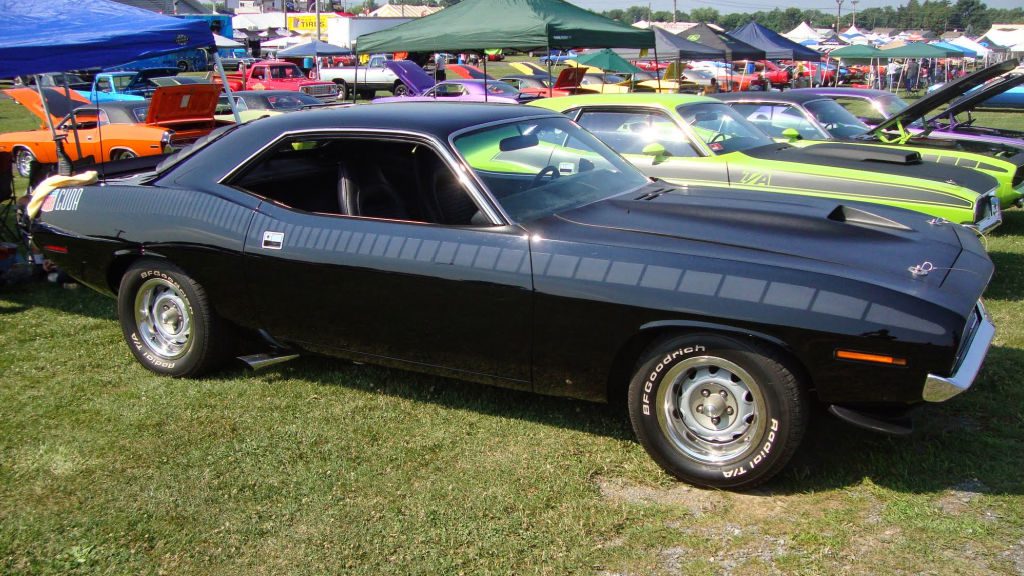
<point x="508" y="246"/>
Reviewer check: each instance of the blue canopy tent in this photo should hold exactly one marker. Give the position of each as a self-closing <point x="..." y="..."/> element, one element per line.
<point x="41" y="36"/>
<point x="775" y="45"/>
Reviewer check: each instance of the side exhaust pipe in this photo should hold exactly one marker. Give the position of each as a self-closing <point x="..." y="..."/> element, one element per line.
<point x="266" y="359"/>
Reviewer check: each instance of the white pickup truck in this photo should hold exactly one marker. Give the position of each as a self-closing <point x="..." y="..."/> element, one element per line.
<point x="372" y="77"/>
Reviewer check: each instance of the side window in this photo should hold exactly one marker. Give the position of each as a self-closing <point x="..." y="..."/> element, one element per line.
<point x="257" y="73"/>
<point x="629" y="132"/>
<point x="365" y="177"/>
<point x="773" y="119"/>
<point x="103" y="84"/>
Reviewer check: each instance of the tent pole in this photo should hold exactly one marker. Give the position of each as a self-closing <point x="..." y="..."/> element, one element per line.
<point x="227" y="88"/>
<point x="656" y="75"/>
<point x="74" y="122"/>
<point x="485" y="76"/>
<point x="551" y="83"/>
<point x="355" y="79"/>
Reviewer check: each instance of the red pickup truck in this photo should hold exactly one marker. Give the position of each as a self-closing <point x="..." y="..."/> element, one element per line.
<point x="280" y="75"/>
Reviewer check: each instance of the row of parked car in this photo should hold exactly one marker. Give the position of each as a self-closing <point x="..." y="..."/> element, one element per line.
<point x="717" y="265"/>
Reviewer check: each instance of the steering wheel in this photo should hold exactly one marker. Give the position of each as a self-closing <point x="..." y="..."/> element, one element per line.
<point x="551" y="170"/>
<point x="718" y="137"/>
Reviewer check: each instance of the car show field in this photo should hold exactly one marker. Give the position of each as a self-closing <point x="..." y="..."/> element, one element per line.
<point x="358" y="307"/>
<point x="323" y="466"/>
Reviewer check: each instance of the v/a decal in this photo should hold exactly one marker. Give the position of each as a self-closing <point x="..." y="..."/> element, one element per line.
<point x="756" y="179"/>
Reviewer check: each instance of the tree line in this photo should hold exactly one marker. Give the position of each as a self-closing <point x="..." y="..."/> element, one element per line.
<point x="970" y="16"/>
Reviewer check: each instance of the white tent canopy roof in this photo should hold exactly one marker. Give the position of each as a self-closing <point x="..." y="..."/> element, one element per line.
<point x="224" y="42"/>
<point x="802" y="32"/>
<point x="966" y="42"/>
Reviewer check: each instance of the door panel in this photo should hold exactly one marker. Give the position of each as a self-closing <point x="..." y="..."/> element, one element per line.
<point x="453" y="297"/>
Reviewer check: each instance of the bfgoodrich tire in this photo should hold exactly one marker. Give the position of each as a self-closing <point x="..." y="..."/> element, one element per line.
<point x="717" y="411"/>
<point x="167" y="320"/>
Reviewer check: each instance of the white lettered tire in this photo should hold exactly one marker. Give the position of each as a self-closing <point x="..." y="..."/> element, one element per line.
<point x="167" y="320"/>
<point x="717" y="411"/>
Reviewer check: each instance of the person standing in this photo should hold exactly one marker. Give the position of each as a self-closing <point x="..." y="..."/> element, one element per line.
<point x="910" y="78"/>
<point x="439" y="71"/>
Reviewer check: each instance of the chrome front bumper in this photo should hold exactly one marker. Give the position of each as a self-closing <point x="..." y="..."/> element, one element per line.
<point x="941" y="388"/>
<point x="992" y="215"/>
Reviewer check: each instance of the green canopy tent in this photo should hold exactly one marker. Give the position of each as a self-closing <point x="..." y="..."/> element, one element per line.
<point x="520" y="24"/>
<point x="857" y="53"/>
<point x="915" y="50"/>
<point x="606" y="60"/>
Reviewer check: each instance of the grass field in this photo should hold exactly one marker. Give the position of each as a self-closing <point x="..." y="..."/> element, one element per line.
<point x="324" y="467"/>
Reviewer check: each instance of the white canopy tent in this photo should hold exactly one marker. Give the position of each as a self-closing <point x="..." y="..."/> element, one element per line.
<point x="224" y="42"/>
<point x="802" y="32"/>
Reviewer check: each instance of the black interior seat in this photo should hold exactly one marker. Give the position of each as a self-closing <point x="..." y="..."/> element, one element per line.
<point x="454" y="205"/>
<point x="364" y="190"/>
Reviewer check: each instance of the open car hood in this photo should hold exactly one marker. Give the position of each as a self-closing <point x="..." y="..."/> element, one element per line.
<point x="60" y="105"/>
<point x="946" y="94"/>
<point x="975" y="98"/>
<point x="570" y="78"/>
<point x="411" y="75"/>
<point x="185" y="103"/>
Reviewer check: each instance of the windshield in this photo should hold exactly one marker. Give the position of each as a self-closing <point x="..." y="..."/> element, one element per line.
<point x="501" y="89"/>
<point x="839" y="122"/>
<point x="286" y="71"/>
<point x="721" y="127"/>
<point x="538" y="167"/>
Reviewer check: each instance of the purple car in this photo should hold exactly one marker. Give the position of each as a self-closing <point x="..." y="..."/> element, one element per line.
<point x="422" y="87"/>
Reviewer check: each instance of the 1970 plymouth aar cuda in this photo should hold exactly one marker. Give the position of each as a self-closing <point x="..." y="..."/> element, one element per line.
<point x="506" y="245"/>
<point x="693" y="139"/>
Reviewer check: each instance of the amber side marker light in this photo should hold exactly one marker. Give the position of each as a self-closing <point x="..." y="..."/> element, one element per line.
<point x="873" y="358"/>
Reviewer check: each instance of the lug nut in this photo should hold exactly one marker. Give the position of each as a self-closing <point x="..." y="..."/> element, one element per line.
<point x="700" y="408"/>
<point x="729" y="410"/>
<point x="705" y="393"/>
<point x="723" y="393"/>
<point x="716" y="420"/>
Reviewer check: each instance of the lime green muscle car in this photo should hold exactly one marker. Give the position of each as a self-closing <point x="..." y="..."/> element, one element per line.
<point x="691" y="139"/>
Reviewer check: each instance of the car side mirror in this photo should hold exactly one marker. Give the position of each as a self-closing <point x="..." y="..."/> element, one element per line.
<point x="656" y="150"/>
<point x="791" y="134"/>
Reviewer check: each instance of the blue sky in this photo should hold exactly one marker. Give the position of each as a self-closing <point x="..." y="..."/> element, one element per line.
<point x="725" y="6"/>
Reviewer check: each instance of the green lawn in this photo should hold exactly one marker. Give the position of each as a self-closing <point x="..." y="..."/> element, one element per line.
<point x="321" y="467"/>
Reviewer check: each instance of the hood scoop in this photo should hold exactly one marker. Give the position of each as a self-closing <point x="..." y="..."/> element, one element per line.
<point x="852" y="215"/>
<point x="865" y="153"/>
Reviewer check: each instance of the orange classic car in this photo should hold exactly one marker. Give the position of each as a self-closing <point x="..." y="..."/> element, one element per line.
<point x="177" y="115"/>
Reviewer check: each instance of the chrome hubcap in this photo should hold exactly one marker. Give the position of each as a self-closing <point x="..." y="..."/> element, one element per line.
<point x="710" y="409"/>
<point x="23" y="162"/>
<point x="163" y="319"/>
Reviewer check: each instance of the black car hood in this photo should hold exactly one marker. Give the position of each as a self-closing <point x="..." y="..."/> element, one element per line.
<point x="844" y="239"/>
<point x="971" y="100"/>
<point x="952" y="90"/>
<point x="883" y="159"/>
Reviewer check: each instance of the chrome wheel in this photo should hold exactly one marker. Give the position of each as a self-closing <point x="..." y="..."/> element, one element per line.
<point x="163" y="318"/>
<point x="710" y="409"/>
<point x="122" y="155"/>
<point x="23" y="160"/>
